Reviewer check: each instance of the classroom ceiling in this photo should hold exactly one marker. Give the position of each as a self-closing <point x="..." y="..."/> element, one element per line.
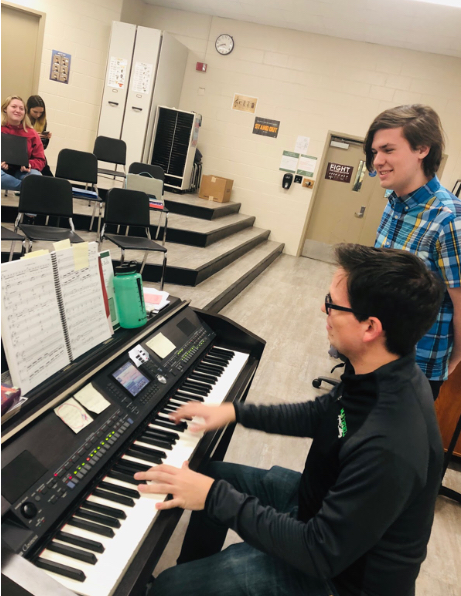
<point x="424" y="25"/>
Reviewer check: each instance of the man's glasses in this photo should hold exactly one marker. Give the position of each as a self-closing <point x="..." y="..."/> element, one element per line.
<point x="329" y="305"/>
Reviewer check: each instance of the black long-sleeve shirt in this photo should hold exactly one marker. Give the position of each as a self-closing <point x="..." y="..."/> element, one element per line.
<point x="368" y="490"/>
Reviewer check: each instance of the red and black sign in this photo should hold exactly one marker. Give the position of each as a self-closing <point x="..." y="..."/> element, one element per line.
<point x="338" y="172"/>
<point x="266" y="127"/>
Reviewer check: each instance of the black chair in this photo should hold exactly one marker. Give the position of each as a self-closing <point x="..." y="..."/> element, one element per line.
<point x="131" y="208"/>
<point x="111" y="151"/>
<point x="317" y="382"/>
<point x="10" y="236"/>
<point x="46" y="196"/>
<point x="81" y="166"/>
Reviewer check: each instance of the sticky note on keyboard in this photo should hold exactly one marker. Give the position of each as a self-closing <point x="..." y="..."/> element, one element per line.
<point x="161" y="345"/>
<point x="72" y="413"/>
<point x="92" y="399"/>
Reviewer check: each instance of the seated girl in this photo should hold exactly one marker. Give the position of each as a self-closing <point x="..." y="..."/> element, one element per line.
<point x="16" y="122"/>
<point x="36" y="111"/>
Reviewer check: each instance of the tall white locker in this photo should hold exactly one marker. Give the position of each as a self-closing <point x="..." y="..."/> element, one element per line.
<point x="143" y="71"/>
<point x="154" y="64"/>
<point x="117" y="77"/>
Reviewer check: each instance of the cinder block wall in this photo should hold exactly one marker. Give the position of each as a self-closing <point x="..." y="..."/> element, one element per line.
<point x="312" y="84"/>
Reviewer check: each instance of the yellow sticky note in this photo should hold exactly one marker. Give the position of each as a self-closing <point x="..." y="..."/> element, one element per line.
<point x="161" y="345"/>
<point x="62" y="244"/>
<point x="35" y="253"/>
<point x="80" y="255"/>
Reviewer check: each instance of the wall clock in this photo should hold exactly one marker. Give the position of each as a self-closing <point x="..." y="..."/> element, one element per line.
<point x="224" y="44"/>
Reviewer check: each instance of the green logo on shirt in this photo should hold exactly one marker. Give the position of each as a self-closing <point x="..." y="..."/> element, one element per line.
<point x="342" y="426"/>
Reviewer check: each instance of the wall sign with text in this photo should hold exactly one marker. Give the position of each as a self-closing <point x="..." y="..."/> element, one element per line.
<point x="266" y="127"/>
<point x="338" y="172"/>
<point x="244" y="103"/>
<point x="60" y="67"/>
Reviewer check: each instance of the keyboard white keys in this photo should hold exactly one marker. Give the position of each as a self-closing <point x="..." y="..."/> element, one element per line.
<point x="103" y="577"/>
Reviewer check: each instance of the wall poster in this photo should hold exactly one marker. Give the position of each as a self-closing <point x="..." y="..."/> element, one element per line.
<point x="266" y="127"/>
<point x="60" y="67"/>
<point x="243" y="103"/>
<point x="338" y="172"/>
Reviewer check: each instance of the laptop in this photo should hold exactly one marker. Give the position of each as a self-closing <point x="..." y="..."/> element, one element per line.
<point x="14" y="150"/>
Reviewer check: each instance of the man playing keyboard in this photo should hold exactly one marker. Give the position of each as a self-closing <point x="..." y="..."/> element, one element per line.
<point x="357" y="520"/>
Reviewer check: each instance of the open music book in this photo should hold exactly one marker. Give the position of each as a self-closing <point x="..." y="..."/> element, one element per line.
<point x="52" y="312"/>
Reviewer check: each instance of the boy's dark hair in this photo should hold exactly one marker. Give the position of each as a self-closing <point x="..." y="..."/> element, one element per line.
<point x="394" y="286"/>
<point x="421" y="128"/>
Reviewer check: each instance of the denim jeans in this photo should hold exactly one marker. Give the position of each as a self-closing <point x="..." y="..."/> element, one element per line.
<point x="13" y="181"/>
<point x="239" y="570"/>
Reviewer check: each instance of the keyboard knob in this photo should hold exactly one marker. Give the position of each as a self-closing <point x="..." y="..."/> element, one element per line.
<point x="161" y="379"/>
<point x="29" y="510"/>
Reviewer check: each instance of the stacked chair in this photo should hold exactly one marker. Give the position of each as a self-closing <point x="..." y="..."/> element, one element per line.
<point x="48" y="196"/>
<point x="81" y="166"/>
<point x="111" y="151"/>
<point x="131" y="208"/>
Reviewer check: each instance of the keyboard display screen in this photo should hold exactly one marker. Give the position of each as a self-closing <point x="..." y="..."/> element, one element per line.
<point x="131" y="378"/>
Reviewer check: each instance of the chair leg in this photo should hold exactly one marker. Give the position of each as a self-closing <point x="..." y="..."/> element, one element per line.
<point x="122" y="257"/>
<point x="162" y="281"/>
<point x="99" y="218"/>
<point x="143" y="262"/>
<point x="11" y="252"/>
<point x="28" y="246"/>
<point x="158" y="225"/>
<point x="164" y="229"/>
<point x="92" y="216"/>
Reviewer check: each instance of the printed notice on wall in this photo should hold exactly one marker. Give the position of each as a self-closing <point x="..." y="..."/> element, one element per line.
<point x="302" y="143"/>
<point x="338" y="172"/>
<point x="306" y="165"/>
<point x="266" y="127"/>
<point x="60" y="67"/>
<point x="243" y="103"/>
<point x="117" y="72"/>
<point x="289" y="162"/>
<point x="142" y="76"/>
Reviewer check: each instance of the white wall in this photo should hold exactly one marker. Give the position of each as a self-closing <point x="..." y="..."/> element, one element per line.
<point x="312" y="84"/>
<point x="80" y="28"/>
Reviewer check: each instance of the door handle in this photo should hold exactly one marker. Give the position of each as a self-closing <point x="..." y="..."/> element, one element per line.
<point x="361" y="212"/>
<point x="113" y="103"/>
<point x="137" y="109"/>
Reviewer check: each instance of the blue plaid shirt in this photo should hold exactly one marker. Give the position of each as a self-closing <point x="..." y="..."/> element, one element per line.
<point x="427" y="222"/>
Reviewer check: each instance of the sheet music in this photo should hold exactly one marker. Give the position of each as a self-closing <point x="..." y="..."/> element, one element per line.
<point x="31" y="322"/>
<point x="83" y="301"/>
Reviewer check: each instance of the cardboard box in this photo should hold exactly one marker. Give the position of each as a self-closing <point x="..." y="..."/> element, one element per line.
<point x="215" y="188"/>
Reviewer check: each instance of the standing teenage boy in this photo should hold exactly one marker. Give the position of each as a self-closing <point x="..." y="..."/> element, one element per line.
<point x="358" y="519"/>
<point x="405" y="146"/>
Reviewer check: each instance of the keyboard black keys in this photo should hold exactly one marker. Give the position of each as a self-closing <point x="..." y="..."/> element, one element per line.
<point x="116" y="475"/>
<point x="121" y="490"/>
<point x="104" y="494"/>
<point x="99" y="518"/>
<point x="93" y="545"/>
<point x="74" y="553"/>
<point x="144" y="456"/>
<point x="105" y="509"/>
<point x="83" y="524"/>
<point x="61" y="569"/>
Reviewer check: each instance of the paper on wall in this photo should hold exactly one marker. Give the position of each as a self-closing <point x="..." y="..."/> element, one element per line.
<point x="306" y="166"/>
<point x="302" y="143"/>
<point x="117" y="72"/>
<point x="289" y="161"/>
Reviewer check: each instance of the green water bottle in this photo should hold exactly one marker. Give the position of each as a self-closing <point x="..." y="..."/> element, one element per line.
<point x="129" y="296"/>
